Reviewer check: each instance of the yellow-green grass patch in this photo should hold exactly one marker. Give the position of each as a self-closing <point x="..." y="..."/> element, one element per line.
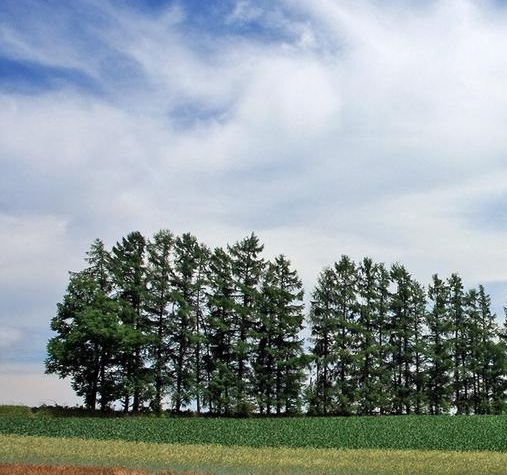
<point x="227" y="460"/>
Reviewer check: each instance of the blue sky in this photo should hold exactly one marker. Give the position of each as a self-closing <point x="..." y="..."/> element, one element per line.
<point x="359" y="127"/>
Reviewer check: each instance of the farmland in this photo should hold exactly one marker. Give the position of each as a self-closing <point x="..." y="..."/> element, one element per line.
<point x="472" y="433"/>
<point x="368" y="445"/>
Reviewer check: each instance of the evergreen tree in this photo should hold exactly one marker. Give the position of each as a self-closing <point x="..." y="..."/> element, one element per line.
<point x="247" y="267"/>
<point x="487" y="364"/>
<point x="159" y="298"/>
<point x="439" y="387"/>
<point x="278" y="367"/>
<point x="186" y="319"/>
<point x="347" y="342"/>
<point x="403" y="330"/>
<point x="324" y="331"/>
<point x="419" y="349"/>
<point x="129" y="272"/>
<point x="218" y="357"/>
<point x="460" y="328"/>
<point x="373" y="295"/>
<point x="88" y="333"/>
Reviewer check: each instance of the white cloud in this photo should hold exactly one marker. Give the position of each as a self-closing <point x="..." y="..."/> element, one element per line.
<point x="369" y="128"/>
<point x="244" y="12"/>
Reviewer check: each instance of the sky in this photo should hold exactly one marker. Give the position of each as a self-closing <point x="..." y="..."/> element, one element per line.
<point x="327" y="127"/>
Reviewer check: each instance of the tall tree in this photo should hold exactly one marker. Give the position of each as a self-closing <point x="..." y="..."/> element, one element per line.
<point x="186" y="319"/>
<point x="247" y="267"/>
<point x="218" y="358"/>
<point x="278" y="367"/>
<point x="402" y="331"/>
<point x="460" y="329"/>
<point x="159" y="298"/>
<point x="324" y="331"/>
<point x="373" y="298"/>
<point x="486" y="360"/>
<point x="439" y="387"/>
<point x="347" y="343"/>
<point x="129" y="271"/>
<point x="88" y="333"/>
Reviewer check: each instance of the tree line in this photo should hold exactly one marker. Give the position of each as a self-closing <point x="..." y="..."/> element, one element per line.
<point x="167" y="322"/>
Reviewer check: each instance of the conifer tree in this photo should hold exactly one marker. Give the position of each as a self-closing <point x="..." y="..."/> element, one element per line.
<point x="439" y="351"/>
<point x="279" y="362"/>
<point x="186" y="318"/>
<point x="347" y="342"/>
<point x="402" y="329"/>
<point x="247" y="267"/>
<point x="158" y="302"/>
<point x="460" y="328"/>
<point x="324" y="332"/>
<point x="129" y="274"/>
<point x="218" y="358"/>
<point x="88" y="333"/>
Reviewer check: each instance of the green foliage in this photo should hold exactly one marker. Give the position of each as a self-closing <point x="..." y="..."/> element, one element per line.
<point x="167" y="321"/>
<point x="460" y="433"/>
<point x="15" y="411"/>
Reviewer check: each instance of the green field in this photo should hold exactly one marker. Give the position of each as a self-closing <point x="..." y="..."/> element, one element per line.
<point x="426" y="445"/>
<point x="464" y="433"/>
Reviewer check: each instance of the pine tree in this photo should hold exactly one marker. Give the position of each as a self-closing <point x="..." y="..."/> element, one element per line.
<point x="278" y="367"/>
<point x="373" y="294"/>
<point x="218" y="358"/>
<point x="129" y="273"/>
<point x="347" y="339"/>
<point x="88" y="333"/>
<point x="419" y="349"/>
<point x="486" y="362"/>
<point x="158" y="301"/>
<point x="324" y="331"/>
<point x="460" y="327"/>
<point x="402" y="329"/>
<point x="439" y="387"/>
<point x="186" y="319"/>
<point x="247" y="267"/>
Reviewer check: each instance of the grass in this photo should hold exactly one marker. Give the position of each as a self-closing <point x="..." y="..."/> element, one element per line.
<point x="422" y="445"/>
<point x="15" y="411"/>
<point x="246" y="460"/>
<point x="24" y="469"/>
<point x="448" y="433"/>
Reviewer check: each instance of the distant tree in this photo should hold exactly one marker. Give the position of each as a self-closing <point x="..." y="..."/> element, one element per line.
<point x="247" y="267"/>
<point x="129" y="275"/>
<point x="186" y="319"/>
<point x="159" y="298"/>
<point x="460" y="329"/>
<point x="419" y="348"/>
<point x="373" y="295"/>
<point x="487" y="360"/>
<point x="440" y="361"/>
<point x="219" y="327"/>
<point x="279" y="363"/>
<point x="324" y="332"/>
<point x="89" y="333"/>
<point x="348" y="335"/>
<point x="402" y="341"/>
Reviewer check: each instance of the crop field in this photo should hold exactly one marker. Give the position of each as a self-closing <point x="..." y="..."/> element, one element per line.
<point x="342" y="446"/>
<point x="22" y="469"/>
<point x="472" y="433"/>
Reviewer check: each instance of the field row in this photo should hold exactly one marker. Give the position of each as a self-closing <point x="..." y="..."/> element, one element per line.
<point x="24" y="469"/>
<point x="463" y="433"/>
<point x="245" y="460"/>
